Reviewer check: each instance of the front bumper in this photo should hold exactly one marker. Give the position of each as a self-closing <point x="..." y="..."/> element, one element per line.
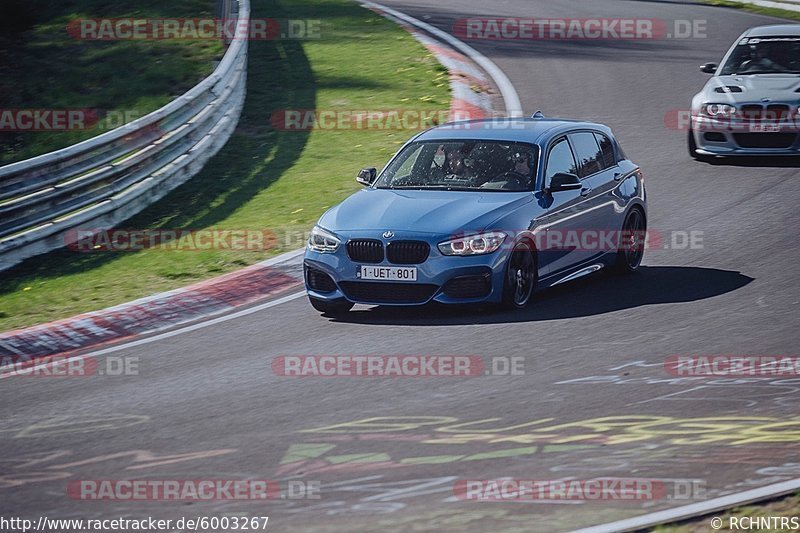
<point x="745" y="137"/>
<point x="443" y="279"/>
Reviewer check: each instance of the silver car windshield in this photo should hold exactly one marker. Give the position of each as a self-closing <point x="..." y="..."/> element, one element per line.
<point x="462" y="165"/>
<point x="764" y="55"/>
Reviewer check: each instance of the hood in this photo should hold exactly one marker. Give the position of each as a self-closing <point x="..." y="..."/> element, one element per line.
<point x="777" y="87"/>
<point x="421" y="211"/>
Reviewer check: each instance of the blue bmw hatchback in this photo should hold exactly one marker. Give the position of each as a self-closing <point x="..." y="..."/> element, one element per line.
<point x="481" y="211"/>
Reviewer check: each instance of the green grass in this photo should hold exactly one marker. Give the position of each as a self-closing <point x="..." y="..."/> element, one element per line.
<point x="769" y="11"/>
<point x="784" y="507"/>
<point x="44" y="67"/>
<point x="262" y="178"/>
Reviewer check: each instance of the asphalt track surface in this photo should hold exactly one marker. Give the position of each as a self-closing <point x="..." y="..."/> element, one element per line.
<point x="211" y="392"/>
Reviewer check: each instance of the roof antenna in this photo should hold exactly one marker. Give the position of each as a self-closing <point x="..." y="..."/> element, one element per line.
<point x="538" y="114"/>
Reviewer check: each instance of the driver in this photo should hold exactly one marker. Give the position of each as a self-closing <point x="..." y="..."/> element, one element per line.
<point x="522" y="164"/>
<point x="518" y="178"/>
<point x="761" y="58"/>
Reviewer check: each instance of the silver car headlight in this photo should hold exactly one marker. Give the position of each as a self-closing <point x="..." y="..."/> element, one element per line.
<point x="718" y="110"/>
<point x="323" y="241"/>
<point x="482" y="243"/>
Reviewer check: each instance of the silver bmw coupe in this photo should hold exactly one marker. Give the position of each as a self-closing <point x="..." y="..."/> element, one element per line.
<point x="751" y="106"/>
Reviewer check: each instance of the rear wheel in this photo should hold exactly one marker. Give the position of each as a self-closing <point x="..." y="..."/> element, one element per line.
<point x="520" y="277"/>
<point x="632" y="241"/>
<point x="337" y="307"/>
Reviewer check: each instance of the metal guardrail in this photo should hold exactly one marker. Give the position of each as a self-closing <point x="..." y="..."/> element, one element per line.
<point x="104" y="180"/>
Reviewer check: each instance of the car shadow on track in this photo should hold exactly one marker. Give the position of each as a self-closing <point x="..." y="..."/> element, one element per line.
<point x="593" y="295"/>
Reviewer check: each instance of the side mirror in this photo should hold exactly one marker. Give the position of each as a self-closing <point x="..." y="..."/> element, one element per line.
<point x="564" y="182"/>
<point x="709" y="68"/>
<point x="367" y="175"/>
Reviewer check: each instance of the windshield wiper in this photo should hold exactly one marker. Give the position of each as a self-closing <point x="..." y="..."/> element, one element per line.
<point x="434" y="187"/>
<point x="402" y="187"/>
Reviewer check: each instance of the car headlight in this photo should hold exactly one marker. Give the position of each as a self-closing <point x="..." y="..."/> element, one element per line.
<point x="718" y="110"/>
<point x="482" y="243"/>
<point x="323" y="241"/>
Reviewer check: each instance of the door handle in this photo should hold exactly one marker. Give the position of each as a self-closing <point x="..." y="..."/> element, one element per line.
<point x="618" y="176"/>
<point x="585" y="191"/>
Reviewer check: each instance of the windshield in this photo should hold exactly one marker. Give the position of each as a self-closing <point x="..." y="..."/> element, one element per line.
<point x="462" y="165"/>
<point x="764" y="55"/>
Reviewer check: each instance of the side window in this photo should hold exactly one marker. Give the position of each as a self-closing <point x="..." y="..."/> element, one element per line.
<point x="607" y="149"/>
<point x="588" y="153"/>
<point x="560" y="159"/>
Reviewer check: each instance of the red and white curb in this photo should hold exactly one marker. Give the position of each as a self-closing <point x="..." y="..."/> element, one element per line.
<point x="513" y="106"/>
<point x="154" y="314"/>
<point x="470" y="88"/>
<point x="789" y="5"/>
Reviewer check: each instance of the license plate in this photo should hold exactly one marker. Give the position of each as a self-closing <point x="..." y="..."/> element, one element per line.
<point x="765" y="128"/>
<point x="388" y="273"/>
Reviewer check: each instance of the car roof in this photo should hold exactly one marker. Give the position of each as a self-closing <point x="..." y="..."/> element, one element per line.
<point x="531" y="130"/>
<point x="774" y="30"/>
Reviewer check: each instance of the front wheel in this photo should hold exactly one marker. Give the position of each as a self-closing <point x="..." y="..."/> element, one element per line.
<point x="520" y="278"/>
<point x="337" y="307"/>
<point x="632" y="242"/>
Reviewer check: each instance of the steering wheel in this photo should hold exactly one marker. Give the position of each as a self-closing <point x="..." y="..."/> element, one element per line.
<point x="760" y="64"/>
<point x="513" y="180"/>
